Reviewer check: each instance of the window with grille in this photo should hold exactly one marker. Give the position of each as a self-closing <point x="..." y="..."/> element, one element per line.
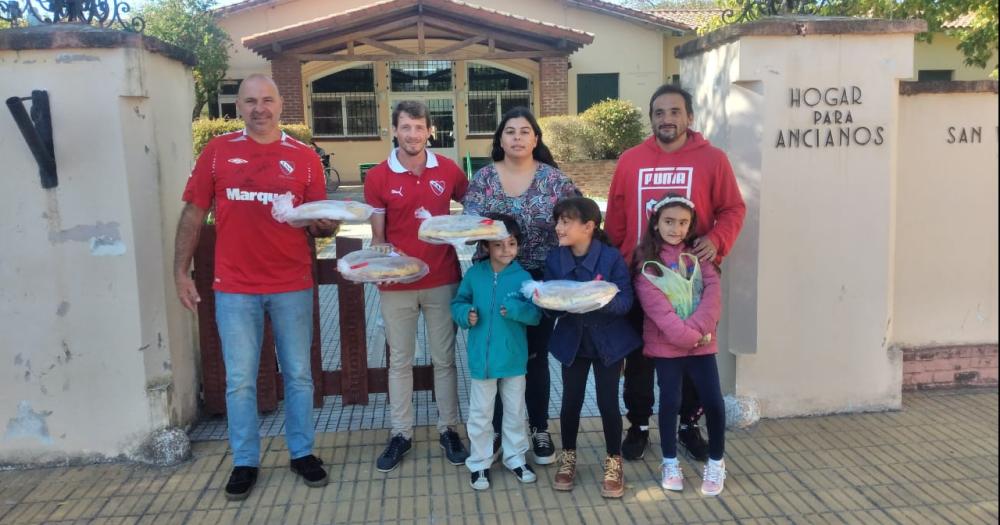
<point x="493" y="91"/>
<point x="343" y="103"/>
<point x="226" y="99"/>
<point x="418" y="76"/>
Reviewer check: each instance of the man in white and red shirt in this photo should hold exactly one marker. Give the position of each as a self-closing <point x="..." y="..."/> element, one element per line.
<point x="413" y="179"/>
<point x="261" y="265"/>
<point x="675" y="160"/>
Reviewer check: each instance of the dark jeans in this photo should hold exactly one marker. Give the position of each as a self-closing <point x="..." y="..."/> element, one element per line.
<point x="704" y="373"/>
<point x="537" y="390"/>
<point x="574" y="390"/>
<point x="638" y="393"/>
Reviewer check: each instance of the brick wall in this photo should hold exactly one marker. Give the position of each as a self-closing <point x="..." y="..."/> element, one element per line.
<point x="287" y="74"/>
<point x="554" y="78"/>
<point x="945" y="367"/>
<point x="593" y="177"/>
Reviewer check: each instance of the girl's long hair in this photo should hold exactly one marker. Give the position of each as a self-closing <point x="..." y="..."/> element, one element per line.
<point x="541" y="152"/>
<point x="651" y="244"/>
<point x="584" y="210"/>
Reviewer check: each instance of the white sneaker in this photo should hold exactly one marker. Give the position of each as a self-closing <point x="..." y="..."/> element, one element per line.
<point x="480" y="480"/>
<point x="524" y="474"/>
<point x="672" y="478"/>
<point x="714" y="478"/>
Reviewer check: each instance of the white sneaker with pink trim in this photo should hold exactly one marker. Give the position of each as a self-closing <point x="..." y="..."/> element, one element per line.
<point x="713" y="478"/>
<point x="672" y="478"/>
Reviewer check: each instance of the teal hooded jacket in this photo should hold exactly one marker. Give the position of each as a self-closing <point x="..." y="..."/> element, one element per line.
<point x="497" y="345"/>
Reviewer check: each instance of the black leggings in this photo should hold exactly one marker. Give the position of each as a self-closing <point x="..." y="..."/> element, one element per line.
<point x="574" y="389"/>
<point x="638" y="394"/>
<point x="704" y="373"/>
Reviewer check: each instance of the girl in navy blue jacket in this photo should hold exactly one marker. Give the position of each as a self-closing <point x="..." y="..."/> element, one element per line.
<point x="599" y="339"/>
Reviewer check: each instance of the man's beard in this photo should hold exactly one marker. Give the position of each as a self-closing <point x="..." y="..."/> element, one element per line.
<point x="668" y="135"/>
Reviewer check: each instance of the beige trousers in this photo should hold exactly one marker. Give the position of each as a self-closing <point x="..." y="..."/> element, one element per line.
<point x="400" y="311"/>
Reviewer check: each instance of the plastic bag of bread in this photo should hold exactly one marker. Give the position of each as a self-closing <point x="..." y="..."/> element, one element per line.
<point x="284" y="210"/>
<point x="372" y="266"/>
<point x="570" y="296"/>
<point x="459" y="229"/>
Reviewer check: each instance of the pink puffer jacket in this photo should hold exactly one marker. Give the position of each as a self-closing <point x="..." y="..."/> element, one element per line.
<point x="663" y="332"/>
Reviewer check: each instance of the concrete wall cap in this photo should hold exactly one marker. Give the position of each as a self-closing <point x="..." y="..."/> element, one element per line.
<point x="798" y="26"/>
<point x="78" y="36"/>
<point x="947" y="86"/>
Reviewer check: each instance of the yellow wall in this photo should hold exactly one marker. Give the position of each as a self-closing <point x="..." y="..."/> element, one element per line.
<point x="946" y="240"/>
<point x="941" y="53"/>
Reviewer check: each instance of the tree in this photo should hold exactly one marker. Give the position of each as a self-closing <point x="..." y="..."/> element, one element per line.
<point x="189" y="24"/>
<point x="977" y="40"/>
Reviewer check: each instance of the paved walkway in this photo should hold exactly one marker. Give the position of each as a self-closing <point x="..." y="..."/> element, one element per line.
<point x="933" y="462"/>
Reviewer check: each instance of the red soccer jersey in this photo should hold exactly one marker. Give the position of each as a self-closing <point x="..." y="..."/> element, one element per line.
<point x="398" y="193"/>
<point x="255" y="254"/>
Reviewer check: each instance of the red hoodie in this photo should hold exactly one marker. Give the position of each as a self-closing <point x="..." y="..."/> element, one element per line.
<point x="698" y="171"/>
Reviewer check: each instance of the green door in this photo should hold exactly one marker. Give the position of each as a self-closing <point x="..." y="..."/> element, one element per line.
<point x="592" y="88"/>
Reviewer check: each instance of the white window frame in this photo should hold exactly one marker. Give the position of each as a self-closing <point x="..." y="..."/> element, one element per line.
<point x="343" y="97"/>
<point x="469" y="94"/>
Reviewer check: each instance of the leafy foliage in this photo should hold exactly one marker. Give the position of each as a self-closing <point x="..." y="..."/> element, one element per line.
<point x="570" y="138"/>
<point x="620" y="126"/>
<point x="977" y="41"/>
<point x="189" y="24"/>
<point x="205" y="129"/>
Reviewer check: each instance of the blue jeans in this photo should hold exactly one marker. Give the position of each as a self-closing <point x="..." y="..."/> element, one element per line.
<point x="240" y="318"/>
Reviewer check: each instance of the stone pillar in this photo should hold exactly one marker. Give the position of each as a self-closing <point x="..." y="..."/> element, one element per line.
<point x="554" y="76"/>
<point x="808" y="116"/>
<point x="287" y="74"/>
<point x="99" y="354"/>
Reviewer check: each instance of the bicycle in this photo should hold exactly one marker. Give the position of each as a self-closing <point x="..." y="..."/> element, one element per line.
<point x="330" y="173"/>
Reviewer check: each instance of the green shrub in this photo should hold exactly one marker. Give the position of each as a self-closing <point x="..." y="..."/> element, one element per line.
<point x="205" y="129"/>
<point x="570" y="138"/>
<point x="620" y="126"/>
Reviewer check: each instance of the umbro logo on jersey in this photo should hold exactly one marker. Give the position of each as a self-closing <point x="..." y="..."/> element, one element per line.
<point x="236" y="194"/>
<point x="437" y="187"/>
<point x="237" y="160"/>
<point x="286" y="167"/>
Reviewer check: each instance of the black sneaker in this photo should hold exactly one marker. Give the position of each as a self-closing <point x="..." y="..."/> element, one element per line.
<point x="690" y="436"/>
<point x="635" y="443"/>
<point x="541" y="447"/>
<point x="311" y="469"/>
<point x="397" y="448"/>
<point x="240" y="482"/>
<point x="524" y="473"/>
<point x="454" y="450"/>
<point x="480" y="480"/>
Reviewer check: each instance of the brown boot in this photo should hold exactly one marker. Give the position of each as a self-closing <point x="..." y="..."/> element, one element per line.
<point x="567" y="471"/>
<point x="613" y="485"/>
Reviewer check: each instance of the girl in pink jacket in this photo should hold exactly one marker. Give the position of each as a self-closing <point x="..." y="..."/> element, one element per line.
<point x="681" y="298"/>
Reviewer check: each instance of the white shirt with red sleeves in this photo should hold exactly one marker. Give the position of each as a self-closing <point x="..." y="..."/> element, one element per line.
<point x="255" y="254"/>
<point x="398" y="193"/>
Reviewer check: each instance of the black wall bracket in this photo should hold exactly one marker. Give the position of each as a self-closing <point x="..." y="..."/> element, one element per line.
<point x="37" y="132"/>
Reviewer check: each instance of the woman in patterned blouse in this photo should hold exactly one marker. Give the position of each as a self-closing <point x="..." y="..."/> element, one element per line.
<point x="525" y="183"/>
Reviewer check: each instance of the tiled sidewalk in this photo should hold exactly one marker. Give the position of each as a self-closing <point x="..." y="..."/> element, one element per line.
<point x="933" y="462"/>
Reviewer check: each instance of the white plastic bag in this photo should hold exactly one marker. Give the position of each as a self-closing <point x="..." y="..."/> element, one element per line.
<point x="570" y="296"/>
<point x="283" y="210"/>
<point x="372" y="266"/>
<point x="459" y="229"/>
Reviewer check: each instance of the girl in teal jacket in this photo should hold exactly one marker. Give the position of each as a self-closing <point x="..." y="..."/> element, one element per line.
<point x="490" y="306"/>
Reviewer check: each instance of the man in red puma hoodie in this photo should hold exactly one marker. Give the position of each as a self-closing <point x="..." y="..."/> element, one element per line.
<point x="674" y="160"/>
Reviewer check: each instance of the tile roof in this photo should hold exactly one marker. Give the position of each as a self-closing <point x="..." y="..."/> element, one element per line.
<point x="692" y="18"/>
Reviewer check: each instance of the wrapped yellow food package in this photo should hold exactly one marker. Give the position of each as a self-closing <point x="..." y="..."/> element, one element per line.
<point x="284" y="210"/>
<point x="372" y="266"/>
<point x="570" y="296"/>
<point x="459" y="229"/>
